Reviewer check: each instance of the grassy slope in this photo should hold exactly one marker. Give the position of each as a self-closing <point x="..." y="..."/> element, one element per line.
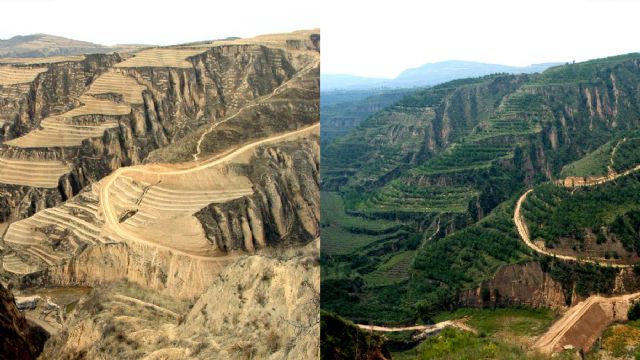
<point x="593" y="164"/>
<point x="502" y="334"/>
<point x="620" y="341"/>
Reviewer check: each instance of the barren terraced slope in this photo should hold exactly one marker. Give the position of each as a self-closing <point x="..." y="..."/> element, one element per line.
<point x="161" y="169"/>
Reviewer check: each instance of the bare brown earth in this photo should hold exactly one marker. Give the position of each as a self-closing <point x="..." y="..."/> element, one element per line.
<point x="43" y="45"/>
<point x="269" y="311"/>
<point x="583" y="323"/>
<point x="166" y="171"/>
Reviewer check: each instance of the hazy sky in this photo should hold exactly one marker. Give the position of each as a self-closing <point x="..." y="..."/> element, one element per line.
<point x="370" y="38"/>
<point x="384" y="40"/>
<point x="161" y="22"/>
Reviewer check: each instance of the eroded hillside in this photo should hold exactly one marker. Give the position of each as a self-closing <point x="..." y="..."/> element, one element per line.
<point x="270" y="311"/>
<point x="161" y="168"/>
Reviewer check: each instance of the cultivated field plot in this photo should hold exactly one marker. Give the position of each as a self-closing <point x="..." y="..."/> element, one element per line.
<point x="41" y="174"/>
<point x="53" y="235"/>
<point x="161" y="57"/>
<point x="10" y="75"/>
<point x="163" y="205"/>
<point x="519" y="114"/>
<point x="398" y="197"/>
<point x="597" y="223"/>
<point x="62" y="131"/>
<point x="93" y="106"/>
<point x="338" y="241"/>
<point x="270" y="40"/>
<point x="333" y="212"/>
<point x="59" y="131"/>
<point x="343" y="233"/>
<point x="393" y="271"/>
<point x="464" y="157"/>
<point x="118" y="83"/>
<point x="45" y="60"/>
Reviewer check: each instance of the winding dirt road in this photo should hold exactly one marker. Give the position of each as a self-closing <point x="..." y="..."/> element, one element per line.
<point x="523" y="230"/>
<point x="424" y="329"/>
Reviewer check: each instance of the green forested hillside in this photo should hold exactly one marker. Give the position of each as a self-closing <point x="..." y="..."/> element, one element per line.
<point x="600" y="220"/>
<point x="449" y="162"/>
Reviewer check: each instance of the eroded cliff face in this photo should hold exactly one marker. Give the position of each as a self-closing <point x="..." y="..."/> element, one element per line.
<point x="20" y="339"/>
<point x="528" y="285"/>
<point x="270" y="311"/>
<point x="55" y="90"/>
<point x="176" y="100"/>
<point x="519" y="284"/>
<point x="284" y="208"/>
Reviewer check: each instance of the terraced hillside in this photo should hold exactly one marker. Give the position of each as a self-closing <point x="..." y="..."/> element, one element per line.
<point x="343" y="110"/>
<point x="162" y="168"/>
<point x="114" y="112"/>
<point x="448" y="165"/>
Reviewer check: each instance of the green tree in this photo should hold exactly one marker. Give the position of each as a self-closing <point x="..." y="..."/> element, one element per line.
<point x="634" y="311"/>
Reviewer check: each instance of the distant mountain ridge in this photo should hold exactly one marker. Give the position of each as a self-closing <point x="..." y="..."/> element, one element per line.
<point x="43" y="45"/>
<point x="427" y="75"/>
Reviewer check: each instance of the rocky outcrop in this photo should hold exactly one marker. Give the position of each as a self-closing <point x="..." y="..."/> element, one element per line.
<point x="519" y="284"/>
<point x="19" y="339"/>
<point x="218" y="81"/>
<point x="284" y="208"/>
<point x="76" y="249"/>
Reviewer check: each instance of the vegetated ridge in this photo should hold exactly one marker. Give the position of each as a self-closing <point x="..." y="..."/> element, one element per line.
<point x="424" y="194"/>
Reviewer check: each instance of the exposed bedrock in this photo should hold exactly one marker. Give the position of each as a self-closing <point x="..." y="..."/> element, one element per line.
<point x="19" y="339"/>
<point x="284" y="208"/>
<point x="175" y="102"/>
<point x="528" y="285"/>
